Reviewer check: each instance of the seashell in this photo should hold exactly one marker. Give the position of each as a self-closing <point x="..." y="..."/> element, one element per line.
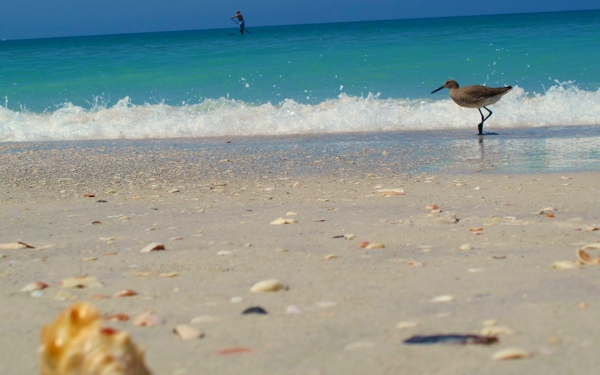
<point x="592" y="246"/>
<point x="406" y="325"/>
<point x="586" y="258"/>
<point x="233" y="351"/>
<point x="444" y="298"/>
<point x="466" y="247"/>
<point x="330" y="256"/>
<point x="99" y="296"/>
<point x="187" y="332"/>
<point x="255" y="310"/>
<point x="566" y="265"/>
<point x="282" y="221"/>
<point x="147" y="319"/>
<point x="15" y="246"/>
<point x="119" y="317"/>
<point x="477" y="229"/>
<point x="166" y="275"/>
<point x="592" y="229"/>
<point x="236" y="299"/>
<point x="90" y="259"/>
<point x="510" y="353"/>
<point x="359" y="345"/>
<point x="549" y="215"/>
<point x="204" y="319"/>
<point x="547" y="210"/>
<point x="36" y="285"/>
<point x="387" y="192"/>
<point x="224" y="252"/>
<point x="432" y="207"/>
<point x="349" y="236"/>
<point x="126" y="293"/>
<point x="77" y="344"/>
<point x="496" y="331"/>
<point x="271" y="285"/>
<point x="363" y="244"/>
<point x="154" y="246"/>
<point x="293" y="309"/>
<point x="375" y="245"/>
<point x="291" y="213"/>
<point x="89" y="195"/>
<point x="80" y="282"/>
<point x="174" y="191"/>
<point x="96" y="222"/>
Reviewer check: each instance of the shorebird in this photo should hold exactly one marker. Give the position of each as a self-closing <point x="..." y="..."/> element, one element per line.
<point x="475" y="97"/>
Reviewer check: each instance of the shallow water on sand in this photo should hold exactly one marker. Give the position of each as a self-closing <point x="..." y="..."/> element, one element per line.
<point x="535" y="150"/>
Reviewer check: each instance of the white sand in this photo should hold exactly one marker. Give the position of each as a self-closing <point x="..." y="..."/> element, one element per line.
<point x="349" y="306"/>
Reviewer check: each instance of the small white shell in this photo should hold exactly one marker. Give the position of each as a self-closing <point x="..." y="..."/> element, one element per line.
<point x="282" y="221"/>
<point x="444" y="298"/>
<point x="496" y="331"/>
<point x="186" y="332"/>
<point x="566" y="265"/>
<point x="154" y="246"/>
<point x="271" y="285"/>
<point x="406" y="325"/>
<point x="375" y="245"/>
<point x="510" y="353"/>
<point x="391" y="191"/>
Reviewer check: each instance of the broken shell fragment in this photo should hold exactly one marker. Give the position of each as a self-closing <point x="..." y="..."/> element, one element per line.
<point x="119" y="317"/>
<point x="349" y="236"/>
<point x="282" y="221"/>
<point x="271" y="285"/>
<point x="36" y="285"/>
<point x="154" y="246"/>
<point x="330" y="256"/>
<point x="126" y="293"/>
<point x="510" y="353"/>
<point x="15" y="246"/>
<point x="547" y="210"/>
<point x="375" y="245"/>
<point x="586" y="258"/>
<point x="496" y="331"/>
<point x="76" y="343"/>
<point x="432" y="207"/>
<point x="406" y="325"/>
<point x="187" y="332"/>
<point x="444" y="298"/>
<point x="147" y="319"/>
<point x="566" y="265"/>
<point x="387" y="192"/>
<point x="80" y="282"/>
<point x="363" y="244"/>
<point x="166" y="275"/>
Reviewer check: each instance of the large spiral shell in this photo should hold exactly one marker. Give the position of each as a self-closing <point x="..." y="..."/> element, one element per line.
<point x="77" y="344"/>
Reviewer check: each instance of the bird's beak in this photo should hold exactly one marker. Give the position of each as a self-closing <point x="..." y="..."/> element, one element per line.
<point x="438" y="89"/>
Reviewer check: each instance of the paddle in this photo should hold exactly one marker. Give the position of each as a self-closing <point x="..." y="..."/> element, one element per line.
<point x="237" y="23"/>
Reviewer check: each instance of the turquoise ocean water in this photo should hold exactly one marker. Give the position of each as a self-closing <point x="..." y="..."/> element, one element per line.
<point x="308" y="79"/>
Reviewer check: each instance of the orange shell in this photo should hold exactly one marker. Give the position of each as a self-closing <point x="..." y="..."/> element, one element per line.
<point x="77" y="344"/>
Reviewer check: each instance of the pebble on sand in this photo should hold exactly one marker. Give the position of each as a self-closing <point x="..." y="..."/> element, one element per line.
<point x="271" y="285"/>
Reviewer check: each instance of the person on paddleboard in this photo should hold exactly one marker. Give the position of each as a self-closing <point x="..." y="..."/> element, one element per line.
<point x="240" y="19"/>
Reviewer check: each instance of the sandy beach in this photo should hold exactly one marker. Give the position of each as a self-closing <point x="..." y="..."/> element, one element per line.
<point x="481" y="244"/>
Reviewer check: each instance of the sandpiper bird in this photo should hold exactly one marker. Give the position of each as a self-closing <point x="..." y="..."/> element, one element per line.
<point x="475" y="97"/>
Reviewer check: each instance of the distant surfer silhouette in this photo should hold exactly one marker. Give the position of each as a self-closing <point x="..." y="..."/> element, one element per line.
<point x="240" y="20"/>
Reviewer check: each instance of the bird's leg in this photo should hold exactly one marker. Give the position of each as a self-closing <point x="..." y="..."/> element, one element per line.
<point x="480" y="126"/>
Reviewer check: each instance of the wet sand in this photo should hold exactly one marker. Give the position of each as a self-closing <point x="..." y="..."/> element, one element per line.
<point x="346" y="309"/>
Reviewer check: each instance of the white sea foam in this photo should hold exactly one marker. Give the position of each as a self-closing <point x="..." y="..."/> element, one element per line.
<point x="561" y="105"/>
